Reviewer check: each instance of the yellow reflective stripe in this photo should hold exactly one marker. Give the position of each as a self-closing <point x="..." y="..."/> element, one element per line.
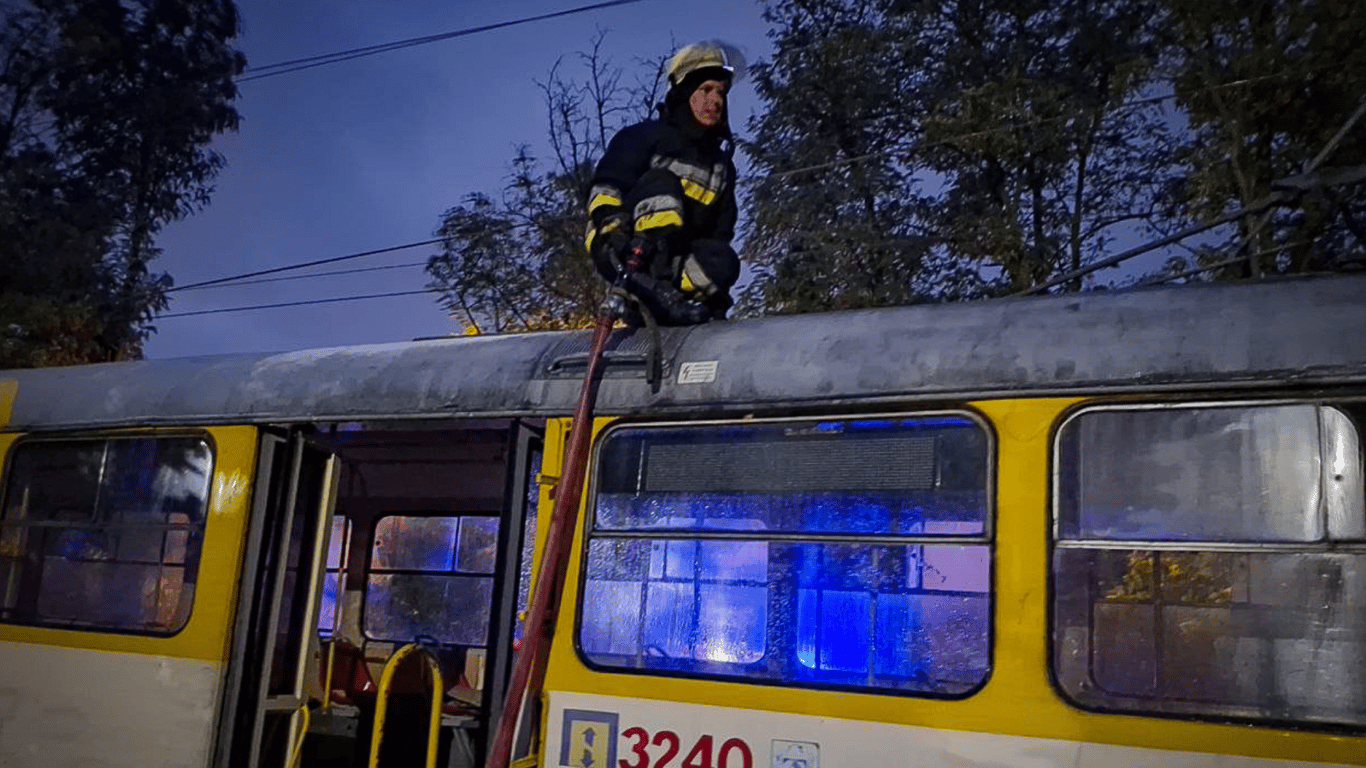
<point x="659" y="220"/>
<point x="698" y="192"/>
<point x="685" y="283"/>
<point x="588" y="241"/>
<point x="602" y="199"/>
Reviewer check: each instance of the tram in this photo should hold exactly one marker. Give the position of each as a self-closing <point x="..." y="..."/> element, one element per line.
<point x="1113" y="529"/>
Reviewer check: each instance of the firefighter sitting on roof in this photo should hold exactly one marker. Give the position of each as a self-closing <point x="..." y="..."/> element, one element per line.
<point x="662" y="205"/>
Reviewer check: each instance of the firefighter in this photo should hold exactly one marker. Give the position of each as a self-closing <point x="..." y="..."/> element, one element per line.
<point x="662" y="204"/>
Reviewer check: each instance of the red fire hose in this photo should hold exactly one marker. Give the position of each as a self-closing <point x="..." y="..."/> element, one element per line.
<point x="528" y="672"/>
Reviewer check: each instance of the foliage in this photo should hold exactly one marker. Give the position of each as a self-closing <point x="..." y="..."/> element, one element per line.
<point x="913" y="151"/>
<point x="960" y="148"/>
<point x="106" y="111"/>
<point x="1266" y="86"/>
<point x="1183" y="578"/>
<point x="845" y="233"/>
<point x="517" y="262"/>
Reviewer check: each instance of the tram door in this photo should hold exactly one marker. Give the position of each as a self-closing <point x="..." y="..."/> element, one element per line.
<point x="262" y="722"/>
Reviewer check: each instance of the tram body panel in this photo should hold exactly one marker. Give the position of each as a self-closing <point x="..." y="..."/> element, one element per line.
<point x="94" y="697"/>
<point x="593" y="730"/>
<point x="87" y="708"/>
<point x="1015" y="371"/>
<point x="1017" y="717"/>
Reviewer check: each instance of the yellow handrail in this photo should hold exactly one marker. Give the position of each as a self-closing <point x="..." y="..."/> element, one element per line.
<point x="385" y="680"/>
<point x="298" y="751"/>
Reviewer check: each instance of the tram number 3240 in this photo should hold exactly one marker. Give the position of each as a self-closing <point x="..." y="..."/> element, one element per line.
<point x="733" y="753"/>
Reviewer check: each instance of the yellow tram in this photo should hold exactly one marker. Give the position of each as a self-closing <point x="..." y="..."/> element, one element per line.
<point x="1115" y="529"/>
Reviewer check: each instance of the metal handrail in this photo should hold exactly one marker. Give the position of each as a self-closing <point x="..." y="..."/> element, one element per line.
<point x="386" y="680"/>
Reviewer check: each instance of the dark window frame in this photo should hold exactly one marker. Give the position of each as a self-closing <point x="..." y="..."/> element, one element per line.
<point x="1157" y="549"/>
<point x="200" y="528"/>
<point x="986" y="539"/>
<point x="371" y="570"/>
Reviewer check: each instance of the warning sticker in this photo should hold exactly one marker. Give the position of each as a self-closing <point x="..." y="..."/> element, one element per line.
<point x="702" y="372"/>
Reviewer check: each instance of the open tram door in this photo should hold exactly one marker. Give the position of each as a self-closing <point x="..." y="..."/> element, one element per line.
<point x="412" y="540"/>
<point x="264" y="712"/>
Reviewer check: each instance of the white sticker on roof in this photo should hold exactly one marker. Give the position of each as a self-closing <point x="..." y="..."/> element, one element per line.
<point x="702" y="372"/>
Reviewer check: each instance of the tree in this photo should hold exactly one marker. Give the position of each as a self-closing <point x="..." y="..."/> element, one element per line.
<point x="107" y="108"/>
<point x="955" y="149"/>
<point x="1266" y="87"/>
<point x="1035" y="124"/>
<point x="517" y="262"/>
<point x="834" y="216"/>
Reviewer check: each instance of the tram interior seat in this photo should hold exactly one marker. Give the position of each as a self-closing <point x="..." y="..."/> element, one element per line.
<point x="351" y="681"/>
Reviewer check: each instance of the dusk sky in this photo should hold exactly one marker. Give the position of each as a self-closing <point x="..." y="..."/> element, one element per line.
<point x="368" y="153"/>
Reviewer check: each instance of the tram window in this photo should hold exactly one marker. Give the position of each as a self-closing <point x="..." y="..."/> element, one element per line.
<point x="838" y="553"/>
<point x="1208" y="561"/>
<point x="337" y="543"/>
<point x="104" y="534"/>
<point x="432" y="576"/>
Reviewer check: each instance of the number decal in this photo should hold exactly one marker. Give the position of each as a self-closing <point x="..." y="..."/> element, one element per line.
<point x="669" y="753"/>
<point x="642" y="738"/>
<point x="735" y="753"/>
<point x="700" y="756"/>
<point x="746" y="759"/>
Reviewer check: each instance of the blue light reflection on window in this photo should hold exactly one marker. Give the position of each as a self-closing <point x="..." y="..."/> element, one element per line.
<point x="901" y="617"/>
<point x="929" y="513"/>
<point x="822" y="610"/>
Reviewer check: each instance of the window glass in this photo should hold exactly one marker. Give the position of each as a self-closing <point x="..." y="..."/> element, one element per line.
<point x="402" y="606"/>
<point x="415" y="543"/>
<point x="1208" y="474"/>
<point x="533" y="490"/>
<point x="478" y="548"/>
<point x="906" y="614"/>
<point x="427" y="579"/>
<point x="1255" y="613"/>
<point x="104" y="533"/>
<point x="337" y="543"/>
<point x="906" y="476"/>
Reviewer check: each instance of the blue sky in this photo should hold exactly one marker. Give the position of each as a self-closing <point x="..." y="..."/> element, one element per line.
<point x="368" y="153"/>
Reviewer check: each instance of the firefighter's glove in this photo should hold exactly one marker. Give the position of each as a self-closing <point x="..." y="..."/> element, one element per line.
<point x="661" y="299"/>
<point x="613" y="241"/>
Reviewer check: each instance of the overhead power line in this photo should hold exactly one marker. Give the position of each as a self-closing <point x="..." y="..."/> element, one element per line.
<point x="309" y="62"/>
<point x="332" y="300"/>
<point x="302" y="265"/>
<point x="286" y="278"/>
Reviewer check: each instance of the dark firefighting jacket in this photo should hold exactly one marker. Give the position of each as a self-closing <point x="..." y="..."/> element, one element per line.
<point x="700" y="204"/>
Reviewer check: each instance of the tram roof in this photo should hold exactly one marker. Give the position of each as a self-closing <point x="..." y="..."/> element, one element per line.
<point x="1303" y="331"/>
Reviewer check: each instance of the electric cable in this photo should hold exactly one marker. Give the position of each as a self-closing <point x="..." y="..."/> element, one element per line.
<point x="309" y="62"/>
<point x="286" y="278"/>
<point x="303" y="265"/>
<point x="304" y="303"/>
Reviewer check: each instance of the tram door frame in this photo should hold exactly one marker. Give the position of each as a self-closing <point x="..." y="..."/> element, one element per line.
<point x="294" y="499"/>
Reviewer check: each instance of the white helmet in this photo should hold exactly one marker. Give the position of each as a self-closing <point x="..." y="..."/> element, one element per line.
<point x="726" y="59"/>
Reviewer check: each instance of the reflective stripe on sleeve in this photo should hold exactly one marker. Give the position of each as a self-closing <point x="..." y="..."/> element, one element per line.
<point x="601" y="200"/>
<point x="659" y="220"/>
<point x="697" y="192"/>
